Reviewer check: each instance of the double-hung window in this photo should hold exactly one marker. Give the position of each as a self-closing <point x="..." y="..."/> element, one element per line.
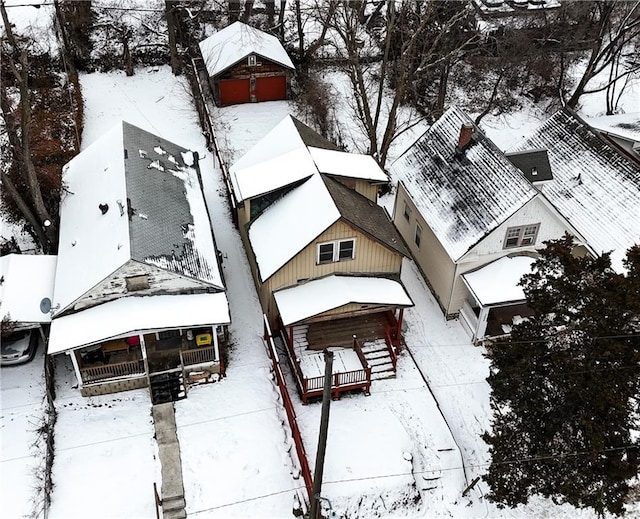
<point x="418" y="236"/>
<point x="338" y="250"/>
<point x="407" y="212"/>
<point x="521" y="236"/>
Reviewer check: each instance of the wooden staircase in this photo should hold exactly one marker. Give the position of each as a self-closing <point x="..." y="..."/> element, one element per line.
<point x="379" y="360"/>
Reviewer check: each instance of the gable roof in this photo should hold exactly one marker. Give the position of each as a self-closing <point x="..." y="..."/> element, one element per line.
<point x="25" y="280"/>
<point x="291" y="152"/>
<point x="235" y="42"/>
<point x="298" y="217"/>
<point x="461" y="196"/>
<point x="154" y="212"/>
<point x="595" y="188"/>
<point x="308" y="210"/>
<point x="365" y="215"/>
<point x="301" y="302"/>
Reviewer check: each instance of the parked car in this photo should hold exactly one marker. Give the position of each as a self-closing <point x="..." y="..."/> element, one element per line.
<point x="19" y="347"/>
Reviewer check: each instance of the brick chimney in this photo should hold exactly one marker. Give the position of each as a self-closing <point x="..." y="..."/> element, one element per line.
<point x="466" y="133"/>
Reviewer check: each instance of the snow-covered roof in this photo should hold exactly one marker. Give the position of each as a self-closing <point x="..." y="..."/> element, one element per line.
<point x="497" y="282"/>
<point x="321" y="295"/>
<point x="131" y="315"/>
<point x="596" y="189"/>
<point x="25" y="280"/>
<point x="291" y="152"/>
<point x="298" y="217"/>
<point x="282" y="138"/>
<point x="237" y="41"/>
<point x="272" y="174"/>
<point x="131" y="195"/>
<point x="352" y="165"/>
<point x="625" y="126"/>
<point x="461" y="196"/>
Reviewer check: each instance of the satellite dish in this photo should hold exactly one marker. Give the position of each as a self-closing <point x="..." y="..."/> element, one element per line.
<point x="45" y="305"/>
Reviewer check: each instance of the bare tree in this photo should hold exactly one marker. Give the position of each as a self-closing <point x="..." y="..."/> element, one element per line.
<point x="403" y="53"/>
<point x="34" y="209"/>
<point x="617" y="30"/>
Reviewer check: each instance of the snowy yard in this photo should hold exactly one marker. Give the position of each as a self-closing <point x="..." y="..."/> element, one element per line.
<point x="408" y="450"/>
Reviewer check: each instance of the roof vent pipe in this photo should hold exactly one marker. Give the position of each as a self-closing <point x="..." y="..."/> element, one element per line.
<point x="466" y="134"/>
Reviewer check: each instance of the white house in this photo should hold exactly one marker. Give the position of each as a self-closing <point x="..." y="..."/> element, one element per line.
<point x="139" y="297"/>
<point x="460" y="205"/>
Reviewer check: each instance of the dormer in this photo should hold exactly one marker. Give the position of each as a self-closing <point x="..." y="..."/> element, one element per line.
<point x="534" y="165"/>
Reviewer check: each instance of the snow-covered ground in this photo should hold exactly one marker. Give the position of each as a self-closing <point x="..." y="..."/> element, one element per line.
<point x="22" y="449"/>
<point x="235" y="444"/>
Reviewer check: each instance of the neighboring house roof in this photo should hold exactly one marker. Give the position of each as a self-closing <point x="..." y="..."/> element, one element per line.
<point x="534" y="164"/>
<point x="624" y="126"/>
<point x="461" y="196"/>
<point x="291" y="152"/>
<point x="596" y="189"/>
<point x="25" y="281"/>
<point x="235" y="42"/>
<point x="321" y="295"/>
<point x="497" y="282"/>
<point x="126" y="316"/>
<point x="156" y="213"/>
<point x="365" y="215"/>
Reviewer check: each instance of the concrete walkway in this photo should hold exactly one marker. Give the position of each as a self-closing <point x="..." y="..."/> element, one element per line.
<point x="172" y="493"/>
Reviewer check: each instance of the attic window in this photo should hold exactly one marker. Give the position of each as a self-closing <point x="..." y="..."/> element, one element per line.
<point x="418" y="236"/>
<point x="333" y="251"/>
<point x="253" y="61"/>
<point x="521" y="236"/>
<point x="137" y="283"/>
<point x="407" y="212"/>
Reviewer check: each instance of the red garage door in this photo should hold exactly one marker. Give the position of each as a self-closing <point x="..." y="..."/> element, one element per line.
<point x="271" y="88"/>
<point x="234" y="91"/>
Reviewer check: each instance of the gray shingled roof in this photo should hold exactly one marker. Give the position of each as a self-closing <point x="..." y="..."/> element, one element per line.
<point x="160" y="215"/>
<point x="365" y="215"/>
<point x="594" y="187"/>
<point x="462" y="197"/>
<point x="312" y="138"/>
<point x="533" y="163"/>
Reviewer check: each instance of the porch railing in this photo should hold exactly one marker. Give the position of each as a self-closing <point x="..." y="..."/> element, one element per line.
<point x="199" y="356"/>
<point x="109" y="371"/>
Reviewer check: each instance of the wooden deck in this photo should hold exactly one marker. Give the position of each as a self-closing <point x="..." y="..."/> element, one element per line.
<point x="340" y="332"/>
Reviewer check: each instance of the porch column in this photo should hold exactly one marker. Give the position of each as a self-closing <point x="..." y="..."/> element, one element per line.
<point x="76" y="367"/>
<point x="216" y="349"/>
<point x="143" y="350"/>
<point x="291" y="336"/>
<point x="482" y="323"/>
<point x="400" y="314"/>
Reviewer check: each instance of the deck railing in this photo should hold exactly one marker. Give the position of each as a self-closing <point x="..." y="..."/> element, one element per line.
<point x="110" y="371"/>
<point x="199" y="356"/>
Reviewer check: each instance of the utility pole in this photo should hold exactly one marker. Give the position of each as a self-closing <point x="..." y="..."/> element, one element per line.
<point x="322" y="437"/>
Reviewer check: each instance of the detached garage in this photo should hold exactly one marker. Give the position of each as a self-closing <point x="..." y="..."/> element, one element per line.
<point x="246" y="65"/>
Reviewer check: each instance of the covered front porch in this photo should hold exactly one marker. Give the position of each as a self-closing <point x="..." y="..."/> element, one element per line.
<point x="495" y="301"/>
<point x="108" y="357"/>
<point x="363" y="332"/>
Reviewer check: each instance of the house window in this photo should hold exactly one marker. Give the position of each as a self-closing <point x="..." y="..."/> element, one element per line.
<point x="137" y="283"/>
<point x="407" y="212"/>
<point x="339" y="250"/>
<point x="252" y="60"/>
<point x="418" y="236"/>
<point x="521" y="236"/>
